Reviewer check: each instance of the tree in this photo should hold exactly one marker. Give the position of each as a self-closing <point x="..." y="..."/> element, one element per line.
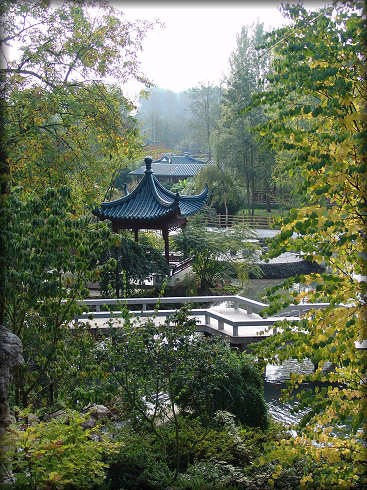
<point x="324" y="60"/>
<point x="235" y="144"/>
<point x="128" y="262"/>
<point x="217" y="255"/>
<point x="10" y="345"/>
<point x="234" y="385"/>
<point x="64" y="123"/>
<point x="204" y="106"/>
<point x="224" y="188"/>
<point x="50" y="256"/>
<point x="164" y="117"/>
<point x="60" y="453"/>
<point x="154" y="363"/>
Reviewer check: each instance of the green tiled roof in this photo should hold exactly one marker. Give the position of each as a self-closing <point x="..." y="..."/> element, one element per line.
<point x="150" y="201"/>
<point x="171" y="170"/>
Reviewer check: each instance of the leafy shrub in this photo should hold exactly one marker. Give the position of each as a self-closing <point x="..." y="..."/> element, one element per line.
<point x="216" y="254"/>
<point x="199" y="443"/>
<point x="230" y="382"/>
<point x="274" y="475"/>
<point x="212" y="475"/>
<point x="284" y="270"/>
<point x="60" y="454"/>
<point x="140" y="464"/>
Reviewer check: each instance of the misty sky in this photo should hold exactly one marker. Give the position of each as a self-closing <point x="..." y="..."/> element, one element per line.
<point x="197" y="40"/>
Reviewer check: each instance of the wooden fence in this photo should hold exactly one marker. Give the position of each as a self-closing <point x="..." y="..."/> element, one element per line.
<point x="221" y="220"/>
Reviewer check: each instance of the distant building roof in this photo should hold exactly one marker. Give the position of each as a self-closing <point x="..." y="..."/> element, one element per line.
<point x="150" y="203"/>
<point x="171" y="170"/>
<point x="178" y="159"/>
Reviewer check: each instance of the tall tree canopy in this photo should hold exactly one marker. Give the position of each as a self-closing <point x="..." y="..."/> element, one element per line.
<point x="204" y="106"/>
<point x="182" y="121"/>
<point x="164" y="118"/>
<point x="67" y="122"/>
<point x="236" y="145"/>
<point x="316" y="96"/>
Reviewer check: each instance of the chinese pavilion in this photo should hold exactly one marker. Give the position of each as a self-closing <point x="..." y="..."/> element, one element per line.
<point x="150" y="206"/>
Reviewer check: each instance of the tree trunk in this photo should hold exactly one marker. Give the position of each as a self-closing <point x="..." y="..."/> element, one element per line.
<point x="247" y="178"/>
<point x="166" y="244"/>
<point x="117" y="283"/>
<point x="4" y="180"/>
<point x="267" y="196"/>
<point x="268" y="205"/>
<point x="207" y="110"/>
<point x="225" y="207"/>
<point x="252" y="183"/>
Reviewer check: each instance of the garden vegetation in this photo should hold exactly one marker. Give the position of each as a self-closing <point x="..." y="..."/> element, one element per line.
<point x="159" y="406"/>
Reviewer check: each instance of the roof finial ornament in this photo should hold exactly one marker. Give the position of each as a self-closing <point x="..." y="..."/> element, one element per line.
<point x="148" y="164"/>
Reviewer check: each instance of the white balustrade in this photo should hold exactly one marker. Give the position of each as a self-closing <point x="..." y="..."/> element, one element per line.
<point x="220" y="319"/>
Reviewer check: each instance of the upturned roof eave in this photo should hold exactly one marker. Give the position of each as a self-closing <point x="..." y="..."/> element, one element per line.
<point x="150" y="201"/>
<point x="149" y="179"/>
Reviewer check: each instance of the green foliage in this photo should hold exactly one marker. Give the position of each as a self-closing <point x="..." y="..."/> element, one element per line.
<point x="60" y="454"/>
<point x="144" y="360"/>
<point x="225" y="191"/>
<point x="51" y="255"/>
<point x="83" y="380"/>
<point x="157" y="367"/>
<point x="236" y="147"/>
<point x="217" y="254"/>
<point x="215" y="457"/>
<point x="202" y="443"/>
<point x="140" y="464"/>
<point x="316" y="102"/>
<point x="61" y="130"/>
<point x="232" y="383"/>
<point x="127" y="262"/>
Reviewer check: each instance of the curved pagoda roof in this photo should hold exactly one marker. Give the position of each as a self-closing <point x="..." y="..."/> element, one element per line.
<point x="151" y="205"/>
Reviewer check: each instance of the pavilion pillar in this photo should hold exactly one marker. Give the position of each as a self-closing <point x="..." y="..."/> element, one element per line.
<point x="184" y="224"/>
<point x="136" y="232"/>
<point x="166" y="243"/>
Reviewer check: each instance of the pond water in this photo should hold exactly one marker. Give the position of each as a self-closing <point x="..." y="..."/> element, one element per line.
<point x="275" y="376"/>
<point x="256" y="288"/>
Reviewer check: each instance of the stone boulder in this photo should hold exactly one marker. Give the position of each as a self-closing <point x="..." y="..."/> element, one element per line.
<point x="95" y="412"/>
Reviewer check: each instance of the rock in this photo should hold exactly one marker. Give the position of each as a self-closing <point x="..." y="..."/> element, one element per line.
<point x="57" y="414"/>
<point x="10" y="357"/>
<point x="32" y="419"/>
<point x="89" y="423"/>
<point x="97" y="411"/>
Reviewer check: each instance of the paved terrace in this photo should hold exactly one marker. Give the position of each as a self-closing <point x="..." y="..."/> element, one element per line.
<point x="234" y="317"/>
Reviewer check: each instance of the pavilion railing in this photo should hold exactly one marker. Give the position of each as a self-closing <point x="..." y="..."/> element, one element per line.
<point x="181" y="266"/>
<point x="222" y="220"/>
